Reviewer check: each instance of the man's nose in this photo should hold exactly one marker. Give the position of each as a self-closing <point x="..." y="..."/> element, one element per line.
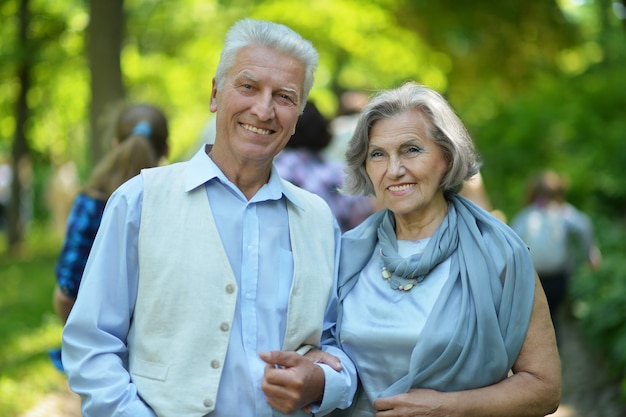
<point x="263" y="107"/>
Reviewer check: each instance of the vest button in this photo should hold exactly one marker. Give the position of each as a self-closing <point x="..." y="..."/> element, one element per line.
<point x="230" y="288"/>
<point x="215" y="364"/>
<point x="208" y="403"/>
<point x="224" y="327"/>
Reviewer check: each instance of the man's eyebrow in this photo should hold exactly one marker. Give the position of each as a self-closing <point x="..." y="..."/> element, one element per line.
<point x="290" y="90"/>
<point x="254" y="79"/>
<point x="249" y="77"/>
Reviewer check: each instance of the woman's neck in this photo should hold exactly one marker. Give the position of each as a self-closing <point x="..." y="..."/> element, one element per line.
<point x="420" y="224"/>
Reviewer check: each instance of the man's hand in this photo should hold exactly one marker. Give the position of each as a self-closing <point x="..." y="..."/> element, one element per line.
<point x="291" y="382"/>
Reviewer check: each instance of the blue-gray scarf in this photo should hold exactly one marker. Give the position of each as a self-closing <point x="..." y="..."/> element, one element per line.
<point x="487" y="336"/>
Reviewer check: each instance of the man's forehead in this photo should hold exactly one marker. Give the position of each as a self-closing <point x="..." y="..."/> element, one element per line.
<point x="265" y="64"/>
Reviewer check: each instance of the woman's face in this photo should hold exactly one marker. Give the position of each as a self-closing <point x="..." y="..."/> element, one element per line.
<point x="405" y="165"/>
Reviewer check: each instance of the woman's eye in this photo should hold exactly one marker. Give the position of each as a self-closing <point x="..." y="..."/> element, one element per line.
<point x="375" y="154"/>
<point x="414" y="149"/>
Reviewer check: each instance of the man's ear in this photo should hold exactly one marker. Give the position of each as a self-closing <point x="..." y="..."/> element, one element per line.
<point x="213" y="106"/>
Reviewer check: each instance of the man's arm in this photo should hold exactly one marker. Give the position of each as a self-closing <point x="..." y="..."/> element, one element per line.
<point x="95" y="355"/>
<point x="292" y="382"/>
<point x="340" y="386"/>
<point x="317" y="382"/>
<point x="339" y="371"/>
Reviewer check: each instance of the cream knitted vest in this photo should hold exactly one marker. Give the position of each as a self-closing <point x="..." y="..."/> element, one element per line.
<point x="187" y="291"/>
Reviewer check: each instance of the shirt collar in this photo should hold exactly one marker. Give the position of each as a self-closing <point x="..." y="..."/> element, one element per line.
<point x="202" y="169"/>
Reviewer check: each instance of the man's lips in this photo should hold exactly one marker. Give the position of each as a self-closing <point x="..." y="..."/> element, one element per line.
<point x="255" y="129"/>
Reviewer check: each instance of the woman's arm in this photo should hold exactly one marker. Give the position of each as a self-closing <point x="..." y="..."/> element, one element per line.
<point x="533" y="389"/>
<point x="62" y="304"/>
<point x="82" y="226"/>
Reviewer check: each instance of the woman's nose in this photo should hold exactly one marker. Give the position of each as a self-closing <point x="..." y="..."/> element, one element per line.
<point x="396" y="167"/>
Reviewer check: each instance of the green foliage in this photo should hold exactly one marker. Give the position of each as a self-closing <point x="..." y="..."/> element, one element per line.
<point x="598" y="300"/>
<point x="574" y="125"/>
<point x="28" y="325"/>
<point x="174" y="68"/>
<point x="56" y="128"/>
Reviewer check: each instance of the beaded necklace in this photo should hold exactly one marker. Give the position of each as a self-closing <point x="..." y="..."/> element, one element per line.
<point x="396" y="282"/>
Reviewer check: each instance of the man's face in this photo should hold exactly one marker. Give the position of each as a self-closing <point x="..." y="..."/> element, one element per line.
<point x="258" y="107"/>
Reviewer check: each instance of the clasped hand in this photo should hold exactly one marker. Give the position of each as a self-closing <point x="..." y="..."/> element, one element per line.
<point x="415" y="403"/>
<point x="292" y="382"/>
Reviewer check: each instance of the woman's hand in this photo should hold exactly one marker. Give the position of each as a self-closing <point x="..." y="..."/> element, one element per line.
<point x="319" y="356"/>
<point x="417" y="402"/>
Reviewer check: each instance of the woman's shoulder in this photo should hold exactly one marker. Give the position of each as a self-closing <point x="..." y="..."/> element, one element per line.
<point x="368" y="227"/>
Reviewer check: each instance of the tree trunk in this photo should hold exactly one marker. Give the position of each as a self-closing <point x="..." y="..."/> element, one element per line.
<point x="104" y="43"/>
<point x="20" y="152"/>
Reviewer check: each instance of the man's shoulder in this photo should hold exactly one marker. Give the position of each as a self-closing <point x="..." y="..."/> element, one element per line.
<point x="163" y="180"/>
<point x="164" y="169"/>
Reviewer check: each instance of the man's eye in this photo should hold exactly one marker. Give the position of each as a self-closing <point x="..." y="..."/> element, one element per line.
<point x="286" y="99"/>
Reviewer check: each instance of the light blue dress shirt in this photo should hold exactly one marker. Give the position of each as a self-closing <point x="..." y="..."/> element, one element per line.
<point x="255" y="235"/>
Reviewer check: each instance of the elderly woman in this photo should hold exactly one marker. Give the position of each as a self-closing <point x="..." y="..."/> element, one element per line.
<point x="439" y="306"/>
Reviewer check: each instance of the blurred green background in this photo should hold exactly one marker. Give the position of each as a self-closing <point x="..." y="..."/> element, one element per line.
<point x="539" y="84"/>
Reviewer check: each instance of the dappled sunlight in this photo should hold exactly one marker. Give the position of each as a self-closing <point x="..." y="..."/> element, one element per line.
<point x="576" y="61"/>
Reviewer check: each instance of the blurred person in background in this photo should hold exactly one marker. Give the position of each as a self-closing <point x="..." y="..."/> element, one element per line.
<point x="303" y="163"/>
<point x="342" y="125"/>
<point x="141" y="134"/>
<point x="558" y="235"/>
<point x="6" y="176"/>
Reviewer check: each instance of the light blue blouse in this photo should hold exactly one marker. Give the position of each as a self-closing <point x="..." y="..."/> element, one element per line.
<point x="467" y="337"/>
<point x="382" y="325"/>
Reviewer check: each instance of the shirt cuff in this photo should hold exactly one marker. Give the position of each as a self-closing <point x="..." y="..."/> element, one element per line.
<point x="336" y="391"/>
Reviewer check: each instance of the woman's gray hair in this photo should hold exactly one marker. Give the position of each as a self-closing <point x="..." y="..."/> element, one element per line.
<point x="446" y="130"/>
<point x="259" y="33"/>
